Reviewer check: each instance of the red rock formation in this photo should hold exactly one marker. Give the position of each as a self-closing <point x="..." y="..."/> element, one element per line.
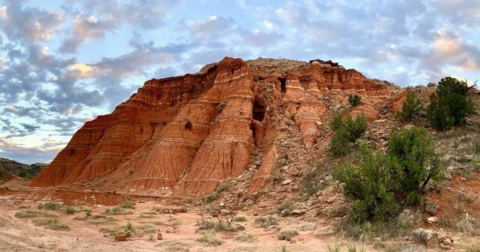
<point x="187" y="134"/>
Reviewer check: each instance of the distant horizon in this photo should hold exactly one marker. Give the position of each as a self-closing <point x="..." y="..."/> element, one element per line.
<point x="63" y="63"/>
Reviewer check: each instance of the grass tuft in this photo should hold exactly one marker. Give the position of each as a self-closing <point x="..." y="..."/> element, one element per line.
<point x="208" y="238"/>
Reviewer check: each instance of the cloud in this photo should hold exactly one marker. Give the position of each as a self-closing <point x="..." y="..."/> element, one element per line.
<point x="19" y="110"/>
<point x="143" y="14"/>
<point x="28" y="155"/>
<point x="212" y="26"/>
<point x="85" y="28"/>
<point x="30" y="128"/>
<point x="28" y="23"/>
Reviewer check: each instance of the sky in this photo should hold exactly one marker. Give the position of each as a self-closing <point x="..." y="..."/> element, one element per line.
<point x="63" y="63"/>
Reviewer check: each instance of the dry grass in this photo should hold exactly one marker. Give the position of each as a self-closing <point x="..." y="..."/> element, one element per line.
<point x="50" y="206"/>
<point x="244" y="237"/>
<point x="209" y="238"/>
<point x="52" y="223"/>
<point x="34" y="214"/>
<point x="174" y="246"/>
<point x="102" y="221"/>
<point x="264" y="222"/>
<point x="287" y="234"/>
<point x="475" y="247"/>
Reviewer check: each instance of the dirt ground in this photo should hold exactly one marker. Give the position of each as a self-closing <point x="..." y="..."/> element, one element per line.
<point x="21" y="234"/>
<point x="179" y="230"/>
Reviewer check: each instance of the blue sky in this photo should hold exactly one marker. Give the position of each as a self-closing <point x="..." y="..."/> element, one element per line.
<point x="65" y="62"/>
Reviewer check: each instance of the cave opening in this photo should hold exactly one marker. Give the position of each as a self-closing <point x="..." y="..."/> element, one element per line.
<point x="283" y="83"/>
<point x="258" y="110"/>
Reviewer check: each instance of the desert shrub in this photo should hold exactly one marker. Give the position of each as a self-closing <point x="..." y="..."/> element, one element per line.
<point x="287" y="234"/>
<point x="356" y="127"/>
<point x="222" y="187"/>
<point x="117" y="211"/>
<point x="354" y="99"/>
<point x="205" y="225"/>
<point x="449" y="107"/>
<point x="27" y="214"/>
<point x="393" y="247"/>
<point x="380" y="185"/>
<point x="475" y="247"/>
<point x="239" y="219"/>
<point x="216" y="194"/>
<point x="334" y="248"/>
<point x="128" y="227"/>
<point x="211" y="197"/>
<point x="411" y="107"/>
<point x="174" y="246"/>
<point x="127" y="203"/>
<point x="69" y="210"/>
<point x="219" y="226"/>
<point x="147" y="229"/>
<point x="22" y="174"/>
<point x="285" y="208"/>
<point x="371" y="185"/>
<point x="113" y="230"/>
<point x="50" y="206"/>
<point x="264" y="222"/>
<point x="353" y="248"/>
<point x="208" y="238"/>
<point x="244" y="237"/>
<point x="102" y="221"/>
<point x="347" y="133"/>
<point x="51" y="223"/>
<point x="223" y="226"/>
<point x="414" y="151"/>
<point x="314" y="179"/>
<point x="366" y="231"/>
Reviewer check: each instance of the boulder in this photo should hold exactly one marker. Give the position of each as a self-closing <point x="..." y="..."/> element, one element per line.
<point x="159" y="236"/>
<point x="426" y="237"/>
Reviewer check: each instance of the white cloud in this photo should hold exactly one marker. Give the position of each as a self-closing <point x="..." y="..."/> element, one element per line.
<point x="3" y="12"/>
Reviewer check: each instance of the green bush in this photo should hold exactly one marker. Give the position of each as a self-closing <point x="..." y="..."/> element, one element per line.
<point x="449" y="107"/>
<point x="380" y="185"/>
<point x="347" y="133"/>
<point x="354" y="99"/>
<point x="414" y="152"/>
<point x="411" y="107"/>
<point x="53" y="206"/>
<point x="69" y="210"/>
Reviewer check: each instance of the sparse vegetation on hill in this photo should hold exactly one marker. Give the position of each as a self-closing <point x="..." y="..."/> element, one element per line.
<point x="347" y="133"/>
<point x="354" y="99"/>
<point x="411" y="108"/>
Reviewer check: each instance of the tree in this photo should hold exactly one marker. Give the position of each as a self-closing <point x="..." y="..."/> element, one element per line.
<point x="415" y="154"/>
<point x="411" y="107"/>
<point x="371" y="185"/>
<point x="381" y="184"/>
<point x="449" y="107"/>
<point x="354" y="99"/>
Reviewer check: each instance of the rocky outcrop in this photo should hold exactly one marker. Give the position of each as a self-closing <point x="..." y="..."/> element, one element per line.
<point x="187" y="134"/>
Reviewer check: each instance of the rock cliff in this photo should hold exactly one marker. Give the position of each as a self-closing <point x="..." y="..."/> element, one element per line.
<point x="187" y="134"/>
